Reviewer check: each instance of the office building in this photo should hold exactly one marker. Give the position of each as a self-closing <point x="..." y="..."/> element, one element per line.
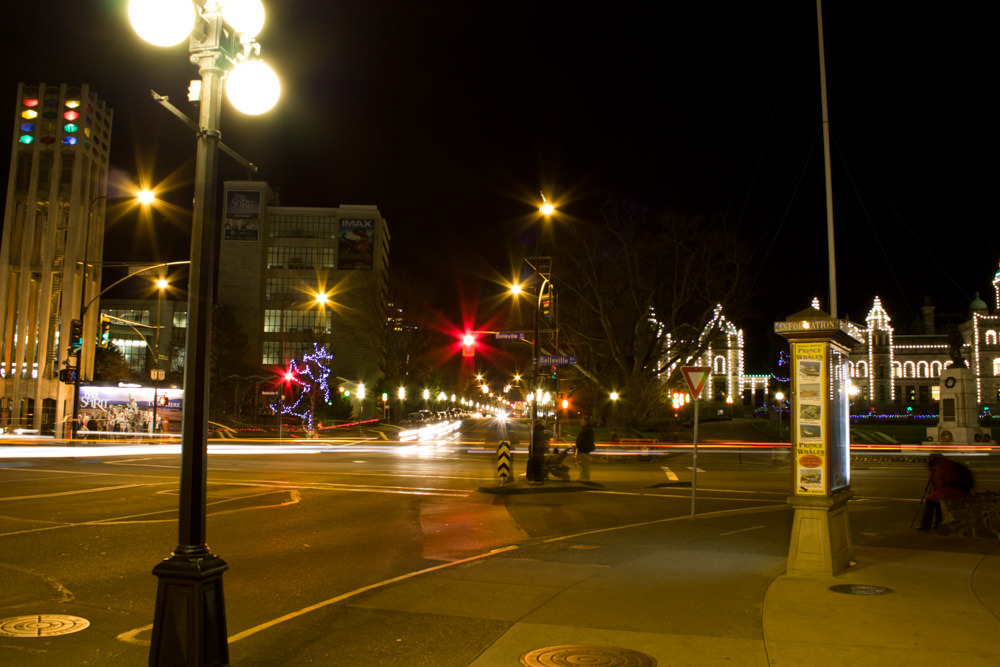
<point x="52" y="242"/>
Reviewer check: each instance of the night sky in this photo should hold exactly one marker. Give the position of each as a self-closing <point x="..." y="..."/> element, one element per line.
<point x="452" y="116"/>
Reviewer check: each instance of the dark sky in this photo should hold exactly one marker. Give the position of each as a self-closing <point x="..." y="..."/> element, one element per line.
<point x="451" y="116"/>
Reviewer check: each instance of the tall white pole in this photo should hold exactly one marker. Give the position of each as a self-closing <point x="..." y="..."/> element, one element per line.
<point x="826" y="162"/>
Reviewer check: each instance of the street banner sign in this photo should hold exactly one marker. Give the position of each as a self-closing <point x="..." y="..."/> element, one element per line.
<point x="695" y="376"/>
<point x="549" y="360"/>
<point x="510" y="335"/>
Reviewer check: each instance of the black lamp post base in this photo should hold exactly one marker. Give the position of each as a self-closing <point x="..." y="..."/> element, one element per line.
<point x="535" y="470"/>
<point x="189" y="626"/>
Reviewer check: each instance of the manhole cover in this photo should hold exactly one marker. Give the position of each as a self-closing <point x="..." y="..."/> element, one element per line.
<point x="575" y="655"/>
<point x="860" y="589"/>
<point x="41" y="625"/>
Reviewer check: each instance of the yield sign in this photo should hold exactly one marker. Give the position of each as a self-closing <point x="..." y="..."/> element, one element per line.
<point x="695" y="377"/>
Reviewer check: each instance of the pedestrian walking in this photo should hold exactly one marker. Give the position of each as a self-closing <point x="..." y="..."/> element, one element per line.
<point x="948" y="480"/>
<point x="584" y="446"/>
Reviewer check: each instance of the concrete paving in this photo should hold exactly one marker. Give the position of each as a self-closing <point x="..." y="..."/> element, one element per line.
<point x="709" y="591"/>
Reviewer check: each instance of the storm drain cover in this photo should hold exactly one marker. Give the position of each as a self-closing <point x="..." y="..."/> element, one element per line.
<point x="41" y="625"/>
<point x="574" y="655"/>
<point x="860" y="589"/>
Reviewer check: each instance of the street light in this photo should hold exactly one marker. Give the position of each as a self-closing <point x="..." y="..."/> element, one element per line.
<point x="143" y="197"/>
<point x="190" y="619"/>
<point x="614" y="403"/>
<point x="156" y="373"/>
<point x="779" y="397"/>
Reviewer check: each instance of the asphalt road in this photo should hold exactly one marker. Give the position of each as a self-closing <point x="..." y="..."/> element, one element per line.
<point x="80" y="536"/>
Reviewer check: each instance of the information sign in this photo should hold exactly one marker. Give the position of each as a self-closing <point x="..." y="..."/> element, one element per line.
<point x="549" y="360"/>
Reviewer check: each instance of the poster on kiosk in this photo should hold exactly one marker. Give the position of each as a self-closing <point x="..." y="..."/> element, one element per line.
<point x="819" y="418"/>
<point x="820" y="401"/>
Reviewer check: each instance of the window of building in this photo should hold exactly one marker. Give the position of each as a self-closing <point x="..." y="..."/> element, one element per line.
<point x="996" y="367"/>
<point x="909" y="370"/>
<point x="312" y="321"/>
<point x="292" y="349"/>
<point x="923" y="370"/>
<point x="134" y="352"/>
<point x="923" y="393"/>
<point x="862" y="369"/>
<point x="935" y="369"/>
<point x="991" y="337"/>
<point x="304" y="226"/>
<point x="897" y="369"/>
<point x="297" y="257"/>
<point x="720" y="364"/>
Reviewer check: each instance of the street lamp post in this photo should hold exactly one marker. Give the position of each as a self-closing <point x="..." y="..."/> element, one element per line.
<point x="143" y="197"/>
<point x="401" y="395"/>
<point x="157" y="372"/>
<point x="779" y="397"/>
<point x="614" y="404"/>
<point x="83" y="312"/>
<point x="189" y="624"/>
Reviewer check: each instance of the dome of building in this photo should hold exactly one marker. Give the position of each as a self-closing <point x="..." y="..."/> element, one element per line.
<point x="977" y="303"/>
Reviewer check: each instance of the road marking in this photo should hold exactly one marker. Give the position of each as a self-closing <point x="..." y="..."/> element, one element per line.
<point x="364" y="589"/>
<point x="355" y="488"/>
<point x="74" y="493"/>
<point x="671" y="475"/>
<point x="742" y="530"/>
<point x="294" y="497"/>
<point x="706" y="515"/>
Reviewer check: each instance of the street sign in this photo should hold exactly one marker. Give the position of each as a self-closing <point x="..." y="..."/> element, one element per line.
<point x="695" y="376"/>
<point x="549" y="360"/>
<point x="157" y="374"/>
<point x="268" y="393"/>
<point x="503" y="461"/>
<point x="510" y="335"/>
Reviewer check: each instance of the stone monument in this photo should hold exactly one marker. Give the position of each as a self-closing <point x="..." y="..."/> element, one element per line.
<point x="959" y="410"/>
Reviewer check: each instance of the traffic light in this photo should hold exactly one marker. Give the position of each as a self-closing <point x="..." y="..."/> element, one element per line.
<point x="546" y="302"/>
<point x="163" y="400"/>
<point x="468" y="345"/>
<point x="104" y="339"/>
<point x="75" y="336"/>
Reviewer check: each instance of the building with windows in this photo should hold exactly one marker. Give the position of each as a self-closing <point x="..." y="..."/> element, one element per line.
<point x="295" y="277"/>
<point x="148" y="333"/>
<point x="895" y="371"/>
<point x="50" y="255"/>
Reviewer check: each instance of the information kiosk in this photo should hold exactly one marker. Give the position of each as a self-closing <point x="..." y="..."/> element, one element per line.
<point x="820" y="439"/>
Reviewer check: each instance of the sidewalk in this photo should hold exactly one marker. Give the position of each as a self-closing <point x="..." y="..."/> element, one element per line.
<point x="710" y="591"/>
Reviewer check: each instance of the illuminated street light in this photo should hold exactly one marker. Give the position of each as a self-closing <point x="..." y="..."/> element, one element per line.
<point x="614" y="404"/>
<point x="190" y="617"/>
<point x="156" y="373"/>
<point x="779" y="397"/>
<point x="143" y="199"/>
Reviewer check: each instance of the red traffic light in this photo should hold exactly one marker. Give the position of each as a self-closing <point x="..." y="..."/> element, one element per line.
<point x="468" y="345"/>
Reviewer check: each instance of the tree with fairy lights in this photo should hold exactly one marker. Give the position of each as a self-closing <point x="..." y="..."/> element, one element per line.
<point x="312" y="374"/>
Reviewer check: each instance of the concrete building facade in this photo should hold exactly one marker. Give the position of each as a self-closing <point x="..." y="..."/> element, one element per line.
<point x="275" y="262"/>
<point x="52" y="242"/>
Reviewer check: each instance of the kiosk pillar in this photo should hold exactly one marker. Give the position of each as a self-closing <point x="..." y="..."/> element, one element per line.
<point x="820" y="438"/>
